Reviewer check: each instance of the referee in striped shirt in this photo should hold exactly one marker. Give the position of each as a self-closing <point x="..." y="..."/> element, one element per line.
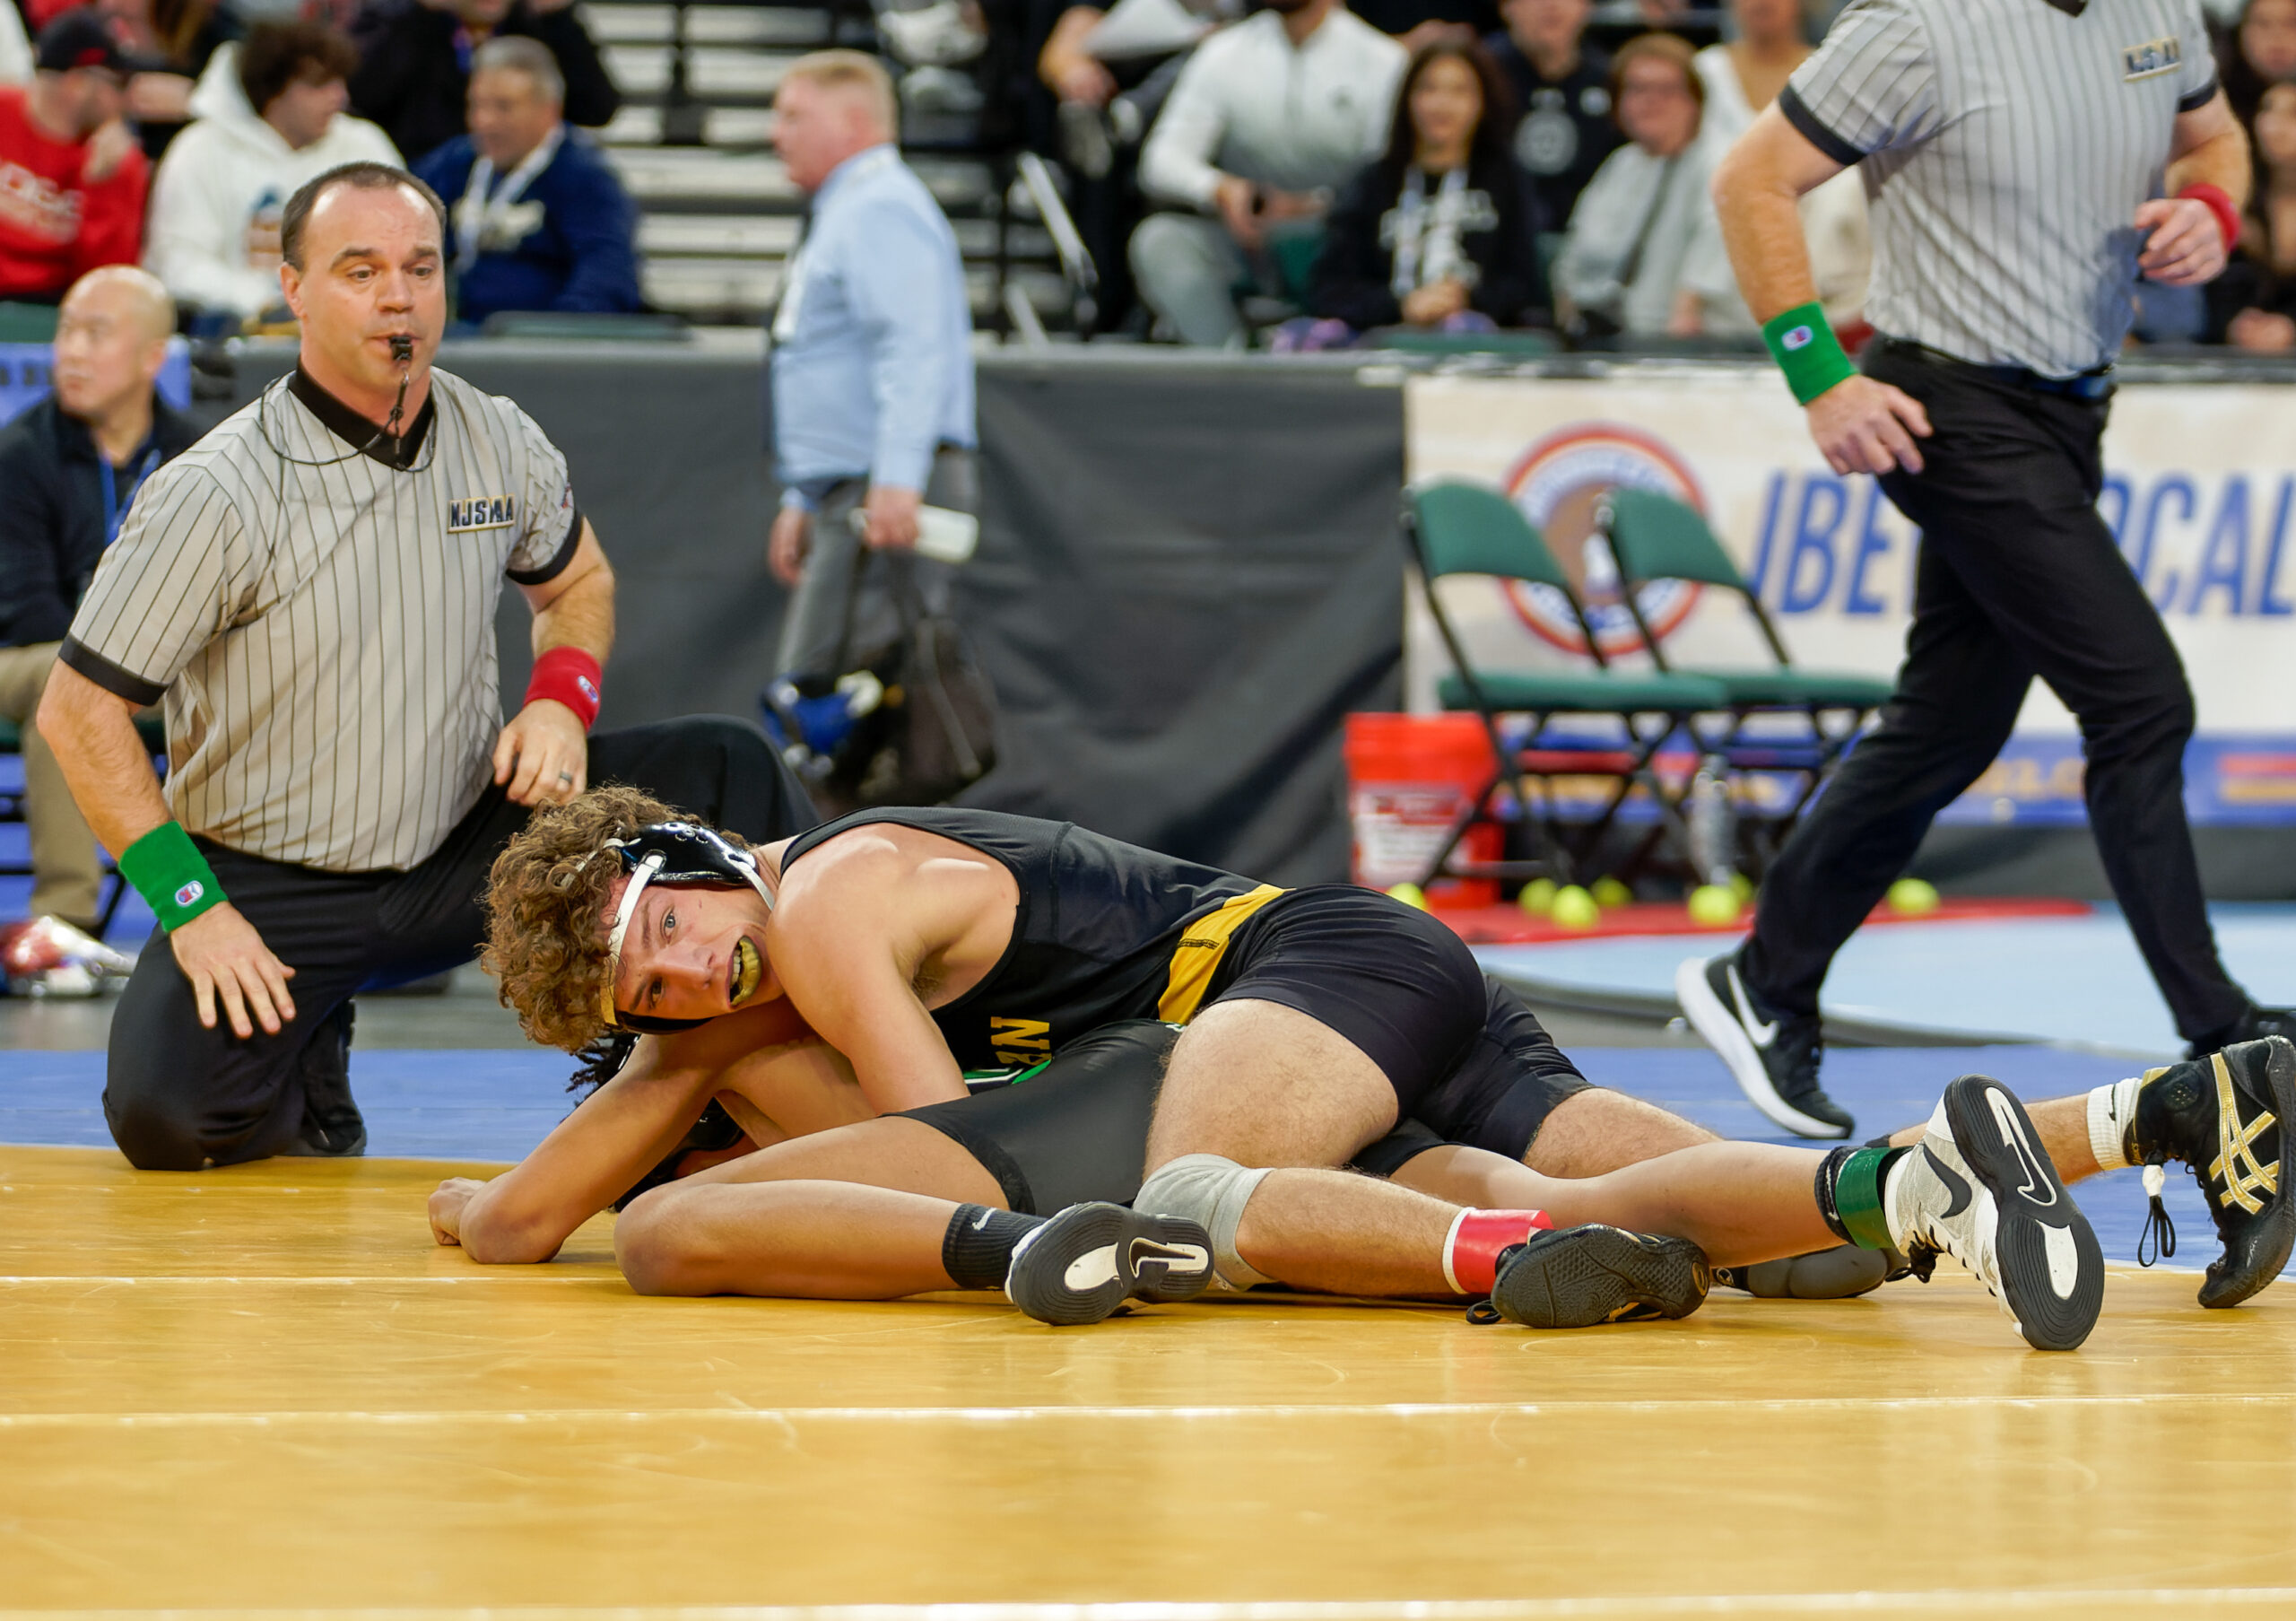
<point x="2025" y="160"/>
<point x="312" y="588"/>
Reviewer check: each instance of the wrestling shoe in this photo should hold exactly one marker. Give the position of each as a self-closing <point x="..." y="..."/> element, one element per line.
<point x="1773" y="1056"/>
<point x="1091" y="1259"/>
<point x="2225" y="1117"/>
<point x="1576" y="1277"/>
<point x="1978" y="1188"/>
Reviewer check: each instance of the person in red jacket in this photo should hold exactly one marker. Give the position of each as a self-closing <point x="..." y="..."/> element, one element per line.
<point x="64" y="211"/>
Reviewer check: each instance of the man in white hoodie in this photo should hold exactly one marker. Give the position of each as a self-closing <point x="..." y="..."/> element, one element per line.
<point x="268" y="116"/>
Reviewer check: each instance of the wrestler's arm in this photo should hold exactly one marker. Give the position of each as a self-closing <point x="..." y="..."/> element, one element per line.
<point x="621" y="1132"/>
<point x="848" y="950"/>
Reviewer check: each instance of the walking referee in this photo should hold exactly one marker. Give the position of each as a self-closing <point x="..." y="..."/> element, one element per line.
<point x="312" y="589"/>
<point x="2025" y="161"/>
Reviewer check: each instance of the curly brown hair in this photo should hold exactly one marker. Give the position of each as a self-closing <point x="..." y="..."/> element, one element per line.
<point x="545" y="912"/>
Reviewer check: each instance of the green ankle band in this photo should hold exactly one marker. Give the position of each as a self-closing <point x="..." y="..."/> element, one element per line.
<point x="1857" y="1188"/>
<point x="171" y="875"/>
<point x="1806" y="351"/>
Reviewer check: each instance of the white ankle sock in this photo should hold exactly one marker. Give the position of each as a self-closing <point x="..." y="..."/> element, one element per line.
<point x="2110" y="1109"/>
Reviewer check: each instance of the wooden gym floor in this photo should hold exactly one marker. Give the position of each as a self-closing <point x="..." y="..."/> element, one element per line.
<point x="266" y="1389"/>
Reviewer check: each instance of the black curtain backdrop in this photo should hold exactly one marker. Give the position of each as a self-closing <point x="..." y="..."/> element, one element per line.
<point x="1188" y="572"/>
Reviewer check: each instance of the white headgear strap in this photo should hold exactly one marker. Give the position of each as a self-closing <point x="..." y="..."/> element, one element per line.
<point x="639" y="877"/>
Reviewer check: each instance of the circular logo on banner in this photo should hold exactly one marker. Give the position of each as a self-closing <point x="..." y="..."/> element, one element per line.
<point x="1559" y="485"/>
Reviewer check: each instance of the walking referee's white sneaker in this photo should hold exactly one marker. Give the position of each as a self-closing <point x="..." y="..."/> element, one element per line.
<point x="1978" y="1188"/>
<point x="1772" y="1057"/>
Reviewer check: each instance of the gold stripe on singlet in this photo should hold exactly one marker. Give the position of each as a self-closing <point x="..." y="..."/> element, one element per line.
<point x="1197" y="958"/>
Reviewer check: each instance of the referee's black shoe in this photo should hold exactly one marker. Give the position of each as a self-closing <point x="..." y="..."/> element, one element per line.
<point x="1577" y="1278"/>
<point x="1772" y="1056"/>
<point x="2226" y="1117"/>
<point x="2253" y="1025"/>
<point x="1088" y="1260"/>
<point x="332" y="1126"/>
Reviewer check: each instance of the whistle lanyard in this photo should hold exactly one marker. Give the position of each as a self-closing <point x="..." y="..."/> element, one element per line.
<point x="481" y="219"/>
<point x="116" y="510"/>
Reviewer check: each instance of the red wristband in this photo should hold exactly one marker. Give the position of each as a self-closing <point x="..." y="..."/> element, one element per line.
<point x="2219" y="202"/>
<point x="1471" y="1249"/>
<point x="571" y="677"/>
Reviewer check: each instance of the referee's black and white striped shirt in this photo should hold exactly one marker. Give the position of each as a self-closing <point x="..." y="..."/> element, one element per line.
<point x="2005" y="146"/>
<point x="322" y="621"/>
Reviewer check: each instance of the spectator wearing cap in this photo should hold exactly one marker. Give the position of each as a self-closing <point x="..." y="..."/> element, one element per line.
<point x="269" y="117"/>
<point x="415" y="58"/>
<point x="71" y="465"/>
<point x="540" y="221"/>
<point x="1644" y="253"/>
<point x="57" y="223"/>
<point x="1269" y="118"/>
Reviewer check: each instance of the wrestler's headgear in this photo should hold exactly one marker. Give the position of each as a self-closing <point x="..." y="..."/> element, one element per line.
<point x="682" y="854"/>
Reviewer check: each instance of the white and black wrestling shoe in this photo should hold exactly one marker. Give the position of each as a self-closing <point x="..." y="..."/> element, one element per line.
<point x="1773" y="1056"/>
<point x="1979" y="1187"/>
<point x="1088" y="1260"/>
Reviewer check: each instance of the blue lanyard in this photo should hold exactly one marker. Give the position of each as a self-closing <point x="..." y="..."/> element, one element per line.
<point x="115" y="508"/>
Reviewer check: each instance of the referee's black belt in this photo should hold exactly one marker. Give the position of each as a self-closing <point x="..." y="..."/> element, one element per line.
<point x="2089" y="387"/>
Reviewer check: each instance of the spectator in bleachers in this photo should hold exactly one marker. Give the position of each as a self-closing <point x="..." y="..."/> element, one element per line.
<point x="1644" y="253"/>
<point x="540" y="219"/>
<point x="415" y="63"/>
<point x="1742" y="76"/>
<point x="1440" y="234"/>
<point x="871" y="369"/>
<point x="1562" y="89"/>
<point x="1416" y="24"/>
<point x="71" y="464"/>
<point x="269" y="117"/>
<point x="2256" y="55"/>
<point x="173" y="42"/>
<point x="57" y="224"/>
<point x="2252" y="305"/>
<point x="1267" y="120"/>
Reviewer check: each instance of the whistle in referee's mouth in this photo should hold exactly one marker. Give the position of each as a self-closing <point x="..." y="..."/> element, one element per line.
<point x="402" y="349"/>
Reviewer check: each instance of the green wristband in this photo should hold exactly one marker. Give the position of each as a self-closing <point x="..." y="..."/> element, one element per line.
<point x="170" y="875"/>
<point x="1806" y="351"/>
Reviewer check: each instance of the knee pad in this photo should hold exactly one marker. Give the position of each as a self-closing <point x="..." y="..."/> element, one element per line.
<point x="1212" y="1192"/>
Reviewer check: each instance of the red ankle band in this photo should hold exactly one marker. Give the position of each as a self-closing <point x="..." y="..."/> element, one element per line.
<point x="1471" y="1251"/>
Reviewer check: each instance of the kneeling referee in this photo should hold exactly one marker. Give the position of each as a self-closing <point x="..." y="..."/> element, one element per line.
<point x="312" y="588"/>
<point x="2025" y="159"/>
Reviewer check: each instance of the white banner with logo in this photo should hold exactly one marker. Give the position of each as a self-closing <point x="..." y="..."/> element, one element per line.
<point x="2200" y="493"/>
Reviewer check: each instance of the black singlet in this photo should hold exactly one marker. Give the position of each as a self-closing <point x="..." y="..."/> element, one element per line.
<point x="1092" y="939"/>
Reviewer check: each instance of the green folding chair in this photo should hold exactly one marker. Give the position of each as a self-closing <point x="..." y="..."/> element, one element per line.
<point x="1653" y="536"/>
<point x="1452" y="526"/>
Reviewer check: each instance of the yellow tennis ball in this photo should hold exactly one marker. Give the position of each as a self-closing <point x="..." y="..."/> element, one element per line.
<point x="1714" y="905"/>
<point x="1574" y="908"/>
<point x="1742" y="886"/>
<point x="1609" y="891"/>
<point x="1913" y="897"/>
<point x="1538" y="899"/>
<point x="1410" y="894"/>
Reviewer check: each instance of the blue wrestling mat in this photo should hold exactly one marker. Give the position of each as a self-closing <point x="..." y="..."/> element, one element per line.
<point x="497" y="1105"/>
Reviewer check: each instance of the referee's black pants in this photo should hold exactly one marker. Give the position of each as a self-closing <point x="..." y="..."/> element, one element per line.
<point x="179" y="1097"/>
<point x="2018" y="577"/>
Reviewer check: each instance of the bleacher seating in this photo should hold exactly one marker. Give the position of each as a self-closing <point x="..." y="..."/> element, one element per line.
<point x="694" y="142"/>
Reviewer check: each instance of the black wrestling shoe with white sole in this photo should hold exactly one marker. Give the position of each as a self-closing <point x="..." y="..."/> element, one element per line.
<point x="1577" y="1278"/>
<point x="1091" y="1259"/>
<point x="1772" y="1057"/>
<point x="1978" y="1188"/>
<point x="2225" y="1116"/>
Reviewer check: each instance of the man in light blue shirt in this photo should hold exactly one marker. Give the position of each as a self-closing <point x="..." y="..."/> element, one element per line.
<point x="871" y="369"/>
